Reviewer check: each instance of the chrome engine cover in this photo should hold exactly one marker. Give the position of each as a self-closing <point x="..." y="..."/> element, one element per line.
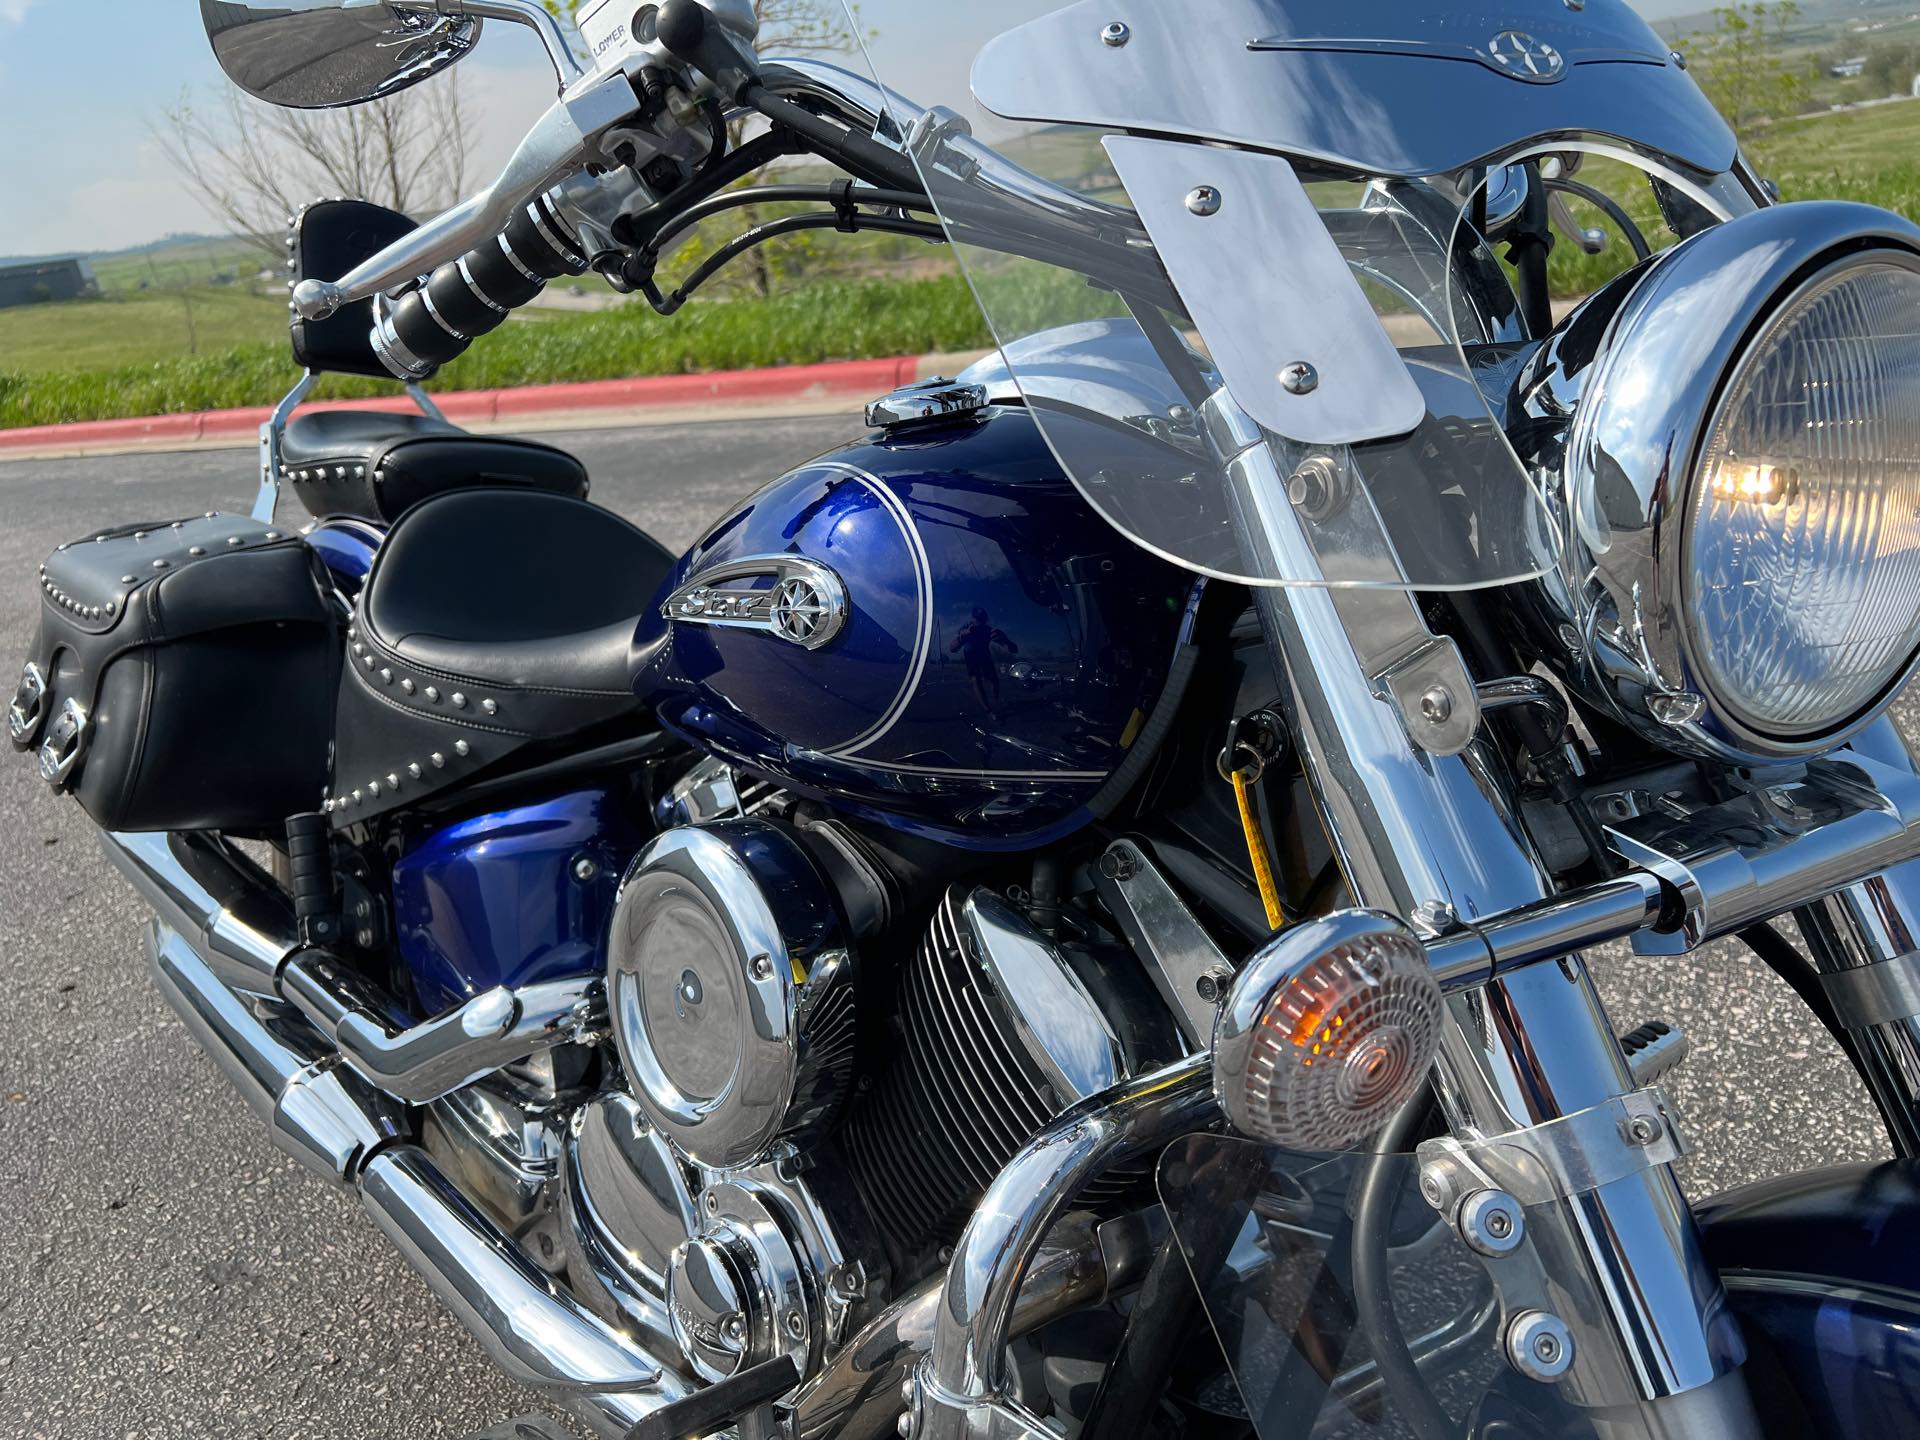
<point x="730" y="990"/>
<point x="731" y="1268"/>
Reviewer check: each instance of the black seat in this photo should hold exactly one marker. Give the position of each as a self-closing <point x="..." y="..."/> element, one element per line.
<point x="492" y="620"/>
<point x="363" y="464"/>
<point x="367" y="465"/>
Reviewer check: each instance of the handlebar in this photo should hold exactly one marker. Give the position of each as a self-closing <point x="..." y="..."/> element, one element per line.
<point x="561" y="141"/>
<point x="466" y="298"/>
<point x="496" y="250"/>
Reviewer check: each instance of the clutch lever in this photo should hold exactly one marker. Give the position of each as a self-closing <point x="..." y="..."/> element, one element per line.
<point x="562" y="141"/>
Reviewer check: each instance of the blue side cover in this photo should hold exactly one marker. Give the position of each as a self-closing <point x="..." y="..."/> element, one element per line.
<point x="500" y="899"/>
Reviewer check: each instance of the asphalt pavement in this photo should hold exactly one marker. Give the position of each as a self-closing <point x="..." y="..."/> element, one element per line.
<point x="165" y="1273"/>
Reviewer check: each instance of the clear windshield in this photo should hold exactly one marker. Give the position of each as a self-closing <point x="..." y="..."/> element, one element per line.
<point x="1284" y="365"/>
<point x="1304" y="1302"/>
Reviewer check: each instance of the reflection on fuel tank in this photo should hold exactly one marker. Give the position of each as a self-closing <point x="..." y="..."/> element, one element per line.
<point x="976" y="643"/>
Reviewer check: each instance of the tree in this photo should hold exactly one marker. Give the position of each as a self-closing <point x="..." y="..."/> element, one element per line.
<point x="1740" y="65"/>
<point x="255" y="164"/>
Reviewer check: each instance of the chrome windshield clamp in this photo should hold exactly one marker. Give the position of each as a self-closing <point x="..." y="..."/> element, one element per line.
<point x="1877" y="994"/>
<point x="1570" y="1156"/>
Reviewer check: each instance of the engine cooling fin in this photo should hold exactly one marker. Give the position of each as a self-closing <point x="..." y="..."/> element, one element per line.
<point x="962" y="1094"/>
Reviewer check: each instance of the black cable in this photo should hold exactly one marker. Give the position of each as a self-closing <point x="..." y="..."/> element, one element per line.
<point x="773" y="229"/>
<point x="1611" y="208"/>
<point x="1377" y="1191"/>
<point x="832" y="194"/>
<point x="1785" y="960"/>
<point x="638" y="231"/>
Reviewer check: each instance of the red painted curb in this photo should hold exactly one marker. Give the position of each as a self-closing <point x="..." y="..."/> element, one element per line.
<point x="860" y="379"/>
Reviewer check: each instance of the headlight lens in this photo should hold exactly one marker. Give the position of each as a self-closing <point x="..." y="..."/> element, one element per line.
<point x="1804" y="533"/>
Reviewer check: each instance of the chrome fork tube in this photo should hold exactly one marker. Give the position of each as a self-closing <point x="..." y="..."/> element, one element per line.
<point x="1865" y="943"/>
<point x="1414" y="828"/>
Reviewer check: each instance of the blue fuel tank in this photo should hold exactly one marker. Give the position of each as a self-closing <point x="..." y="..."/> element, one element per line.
<point x="930" y="627"/>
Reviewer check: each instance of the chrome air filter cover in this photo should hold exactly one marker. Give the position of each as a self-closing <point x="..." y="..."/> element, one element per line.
<point x="1677" y="558"/>
<point x="730" y="987"/>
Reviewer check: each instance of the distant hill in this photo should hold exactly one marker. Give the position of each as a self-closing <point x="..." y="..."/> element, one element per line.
<point x="159" y="249"/>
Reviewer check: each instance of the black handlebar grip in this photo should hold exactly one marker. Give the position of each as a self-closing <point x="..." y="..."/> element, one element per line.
<point x="463" y="300"/>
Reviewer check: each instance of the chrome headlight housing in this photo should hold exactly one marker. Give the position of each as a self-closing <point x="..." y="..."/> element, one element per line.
<point x="1743" y="487"/>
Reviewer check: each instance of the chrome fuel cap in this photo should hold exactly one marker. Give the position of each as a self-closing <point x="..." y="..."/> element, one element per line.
<point x="925" y="402"/>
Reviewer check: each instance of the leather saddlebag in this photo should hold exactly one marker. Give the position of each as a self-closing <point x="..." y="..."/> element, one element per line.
<point x="183" y="676"/>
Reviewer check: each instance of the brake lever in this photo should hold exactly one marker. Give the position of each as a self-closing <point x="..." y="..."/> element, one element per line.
<point x="562" y="141"/>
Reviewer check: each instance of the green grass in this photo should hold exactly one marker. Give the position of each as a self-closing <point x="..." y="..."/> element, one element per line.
<point x="841" y="320"/>
<point x="127" y="328"/>
<point x="122" y="354"/>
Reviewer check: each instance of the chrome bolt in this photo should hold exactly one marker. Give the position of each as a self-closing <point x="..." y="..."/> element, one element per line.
<point x="1299" y="378"/>
<point x="1677" y="58"/>
<point x="1539" y="1345"/>
<point x="1436" y="706"/>
<point x="713" y="1202"/>
<point x="585" y="868"/>
<point x="1441" y="1181"/>
<point x="1118" y="864"/>
<point x="761" y="967"/>
<point x="734" y="1327"/>
<point x="1213" y="984"/>
<point x="1203" y="200"/>
<point x="439" y="760"/>
<point x="1491" y="1222"/>
<point x="1434" y="917"/>
<point x="1115" y="34"/>
<point x="1643" y="1130"/>
<point x="461" y="748"/>
<point x="903" y="1427"/>
<point x="1314" y="489"/>
<point x="849" y="1282"/>
<point x="796" y="1325"/>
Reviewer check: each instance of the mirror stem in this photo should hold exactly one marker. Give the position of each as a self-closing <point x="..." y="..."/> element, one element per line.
<point x="566" y="65"/>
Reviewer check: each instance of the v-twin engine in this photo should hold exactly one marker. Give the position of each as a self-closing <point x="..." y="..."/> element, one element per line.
<point x="802" y="1127"/>
<point x="765" y="1165"/>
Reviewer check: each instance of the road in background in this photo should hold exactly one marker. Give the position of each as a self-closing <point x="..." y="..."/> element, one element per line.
<point x="165" y="1273"/>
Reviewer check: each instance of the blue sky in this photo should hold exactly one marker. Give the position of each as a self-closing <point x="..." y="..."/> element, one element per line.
<point x="83" y="83"/>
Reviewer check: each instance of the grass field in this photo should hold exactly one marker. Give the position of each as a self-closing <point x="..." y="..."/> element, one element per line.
<point x="126" y="353"/>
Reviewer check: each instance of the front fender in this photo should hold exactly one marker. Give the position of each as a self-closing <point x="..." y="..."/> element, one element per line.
<point x="1823" y="1268"/>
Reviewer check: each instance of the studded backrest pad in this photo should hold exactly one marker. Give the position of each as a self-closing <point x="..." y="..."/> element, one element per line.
<point x="329" y="238"/>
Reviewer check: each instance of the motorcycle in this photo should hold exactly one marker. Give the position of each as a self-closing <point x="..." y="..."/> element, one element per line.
<point x="1065" y="915"/>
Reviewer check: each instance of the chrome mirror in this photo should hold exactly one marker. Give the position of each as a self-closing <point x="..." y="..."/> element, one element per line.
<point x="321" y="54"/>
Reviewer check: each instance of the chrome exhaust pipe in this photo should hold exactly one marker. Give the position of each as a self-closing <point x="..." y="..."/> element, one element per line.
<point x="240" y="927"/>
<point x="334" y="1124"/>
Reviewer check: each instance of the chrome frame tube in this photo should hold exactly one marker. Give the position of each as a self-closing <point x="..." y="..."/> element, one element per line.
<point x="959" y="1390"/>
<point x="271" y="430"/>
<point x="1413" y="828"/>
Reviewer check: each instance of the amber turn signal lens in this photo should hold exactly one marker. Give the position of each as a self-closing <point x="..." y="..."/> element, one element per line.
<point x="1327" y="1031"/>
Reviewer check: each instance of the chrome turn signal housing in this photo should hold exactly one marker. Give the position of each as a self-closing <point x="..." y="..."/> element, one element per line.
<point x="1327" y="1031"/>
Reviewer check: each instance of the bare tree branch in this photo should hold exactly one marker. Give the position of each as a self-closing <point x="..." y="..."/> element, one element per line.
<point x="253" y="164"/>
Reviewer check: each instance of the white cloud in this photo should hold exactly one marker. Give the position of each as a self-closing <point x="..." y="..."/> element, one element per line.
<point x="14" y="10"/>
